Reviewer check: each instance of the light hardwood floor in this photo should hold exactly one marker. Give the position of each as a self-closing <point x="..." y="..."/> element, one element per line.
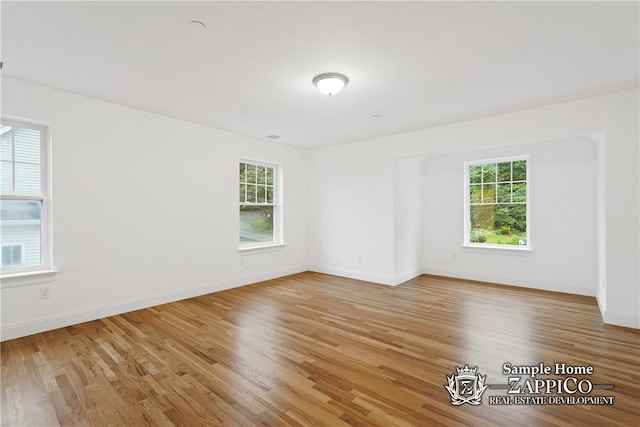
<point x="312" y="349"/>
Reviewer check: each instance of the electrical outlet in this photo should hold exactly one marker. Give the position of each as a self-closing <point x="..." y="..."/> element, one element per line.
<point x="45" y="293"/>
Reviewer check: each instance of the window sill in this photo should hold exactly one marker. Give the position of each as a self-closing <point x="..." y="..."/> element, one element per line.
<point x="25" y="278"/>
<point x="504" y="249"/>
<point x="262" y="248"/>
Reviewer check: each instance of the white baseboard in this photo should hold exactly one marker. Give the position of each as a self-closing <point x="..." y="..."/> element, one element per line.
<point x="35" y="326"/>
<point x="21" y="329"/>
<point x="567" y="288"/>
<point x="601" y="299"/>
<point x="357" y="275"/>
<point x="367" y="277"/>
<point x="403" y="277"/>
<point x="619" y="319"/>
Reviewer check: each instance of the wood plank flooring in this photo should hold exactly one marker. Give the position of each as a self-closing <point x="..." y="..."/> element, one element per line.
<point x="312" y="349"/>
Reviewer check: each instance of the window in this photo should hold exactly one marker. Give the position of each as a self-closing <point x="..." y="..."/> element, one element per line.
<point x="24" y="202"/>
<point x="259" y="213"/>
<point x="497" y="203"/>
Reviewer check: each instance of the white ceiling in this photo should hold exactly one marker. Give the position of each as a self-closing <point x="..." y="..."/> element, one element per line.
<point x="416" y="64"/>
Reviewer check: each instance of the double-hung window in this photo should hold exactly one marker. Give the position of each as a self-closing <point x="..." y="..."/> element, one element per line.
<point x="497" y="203"/>
<point x="259" y="209"/>
<point x="24" y="198"/>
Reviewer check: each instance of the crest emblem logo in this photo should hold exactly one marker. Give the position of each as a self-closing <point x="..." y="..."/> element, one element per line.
<point x="466" y="387"/>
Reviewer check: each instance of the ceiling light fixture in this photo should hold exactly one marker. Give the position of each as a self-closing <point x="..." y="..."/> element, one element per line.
<point x="330" y="83"/>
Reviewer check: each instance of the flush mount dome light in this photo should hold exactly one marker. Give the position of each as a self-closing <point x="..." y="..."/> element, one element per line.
<point x="330" y="83"/>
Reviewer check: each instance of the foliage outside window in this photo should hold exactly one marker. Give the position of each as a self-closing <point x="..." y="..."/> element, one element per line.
<point x="258" y="207"/>
<point x="497" y="208"/>
<point x="24" y="198"/>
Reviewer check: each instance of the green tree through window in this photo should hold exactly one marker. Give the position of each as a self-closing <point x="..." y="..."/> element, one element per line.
<point x="497" y="204"/>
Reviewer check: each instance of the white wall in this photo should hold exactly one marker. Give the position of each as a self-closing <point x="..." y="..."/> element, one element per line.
<point x="408" y="218"/>
<point x="563" y="230"/>
<point x="348" y="180"/>
<point x="143" y="203"/>
<point x="352" y="212"/>
<point x="144" y="210"/>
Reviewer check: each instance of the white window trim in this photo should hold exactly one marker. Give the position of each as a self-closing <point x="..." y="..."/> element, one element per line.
<point x="467" y="206"/>
<point x="278" y="211"/>
<point x="46" y="258"/>
<point x="27" y="278"/>
<point x="264" y="248"/>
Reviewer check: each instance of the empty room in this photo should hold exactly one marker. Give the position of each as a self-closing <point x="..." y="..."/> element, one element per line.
<point x="316" y="213"/>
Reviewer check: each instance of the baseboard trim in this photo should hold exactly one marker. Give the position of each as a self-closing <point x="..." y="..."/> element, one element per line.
<point x="600" y="298"/>
<point x="401" y="278"/>
<point x="357" y="275"/>
<point x="619" y="319"/>
<point x="510" y="281"/>
<point x="21" y="329"/>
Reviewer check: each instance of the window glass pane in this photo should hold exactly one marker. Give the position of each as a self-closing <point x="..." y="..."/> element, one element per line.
<point x="251" y="193"/>
<point x="241" y="172"/>
<point x="489" y="172"/>
<point x="262" y="175"/>
<point x="12" y="256"/>
<point x="482" y="218"/>
<point x="27" y="145"/>
<point x="488" y="193"/>
<point x="6" y="176"/>
<point x="520" y="192"/>
<point x="16" y="255"/>
<point x="27" y="179"/>
<point x="504" y="171"/>
<point x="6" y="148"/>
<point x="261" y="193"/>
<point x="475" y="193"/>
<point x="498" y="224"/>
<point x="251" y="173"/>
<point x="504" y="193"/>
<point x="520" y="170"/>
<point x="256" y="224"/>
<point x="242" y="193"/>
<point x="20" y="223"/>
<point x="7" y="256"/>
<point x="270" y="176"/>
<point x="475" y="174"/>
<point x="269" y="194"/>
<point x="512" y="216"/>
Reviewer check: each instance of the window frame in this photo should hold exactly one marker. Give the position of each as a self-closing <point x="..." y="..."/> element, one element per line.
<point x="467" y="204"/>
<point x="46" y="259"/>
<point x="277" y="240"/>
